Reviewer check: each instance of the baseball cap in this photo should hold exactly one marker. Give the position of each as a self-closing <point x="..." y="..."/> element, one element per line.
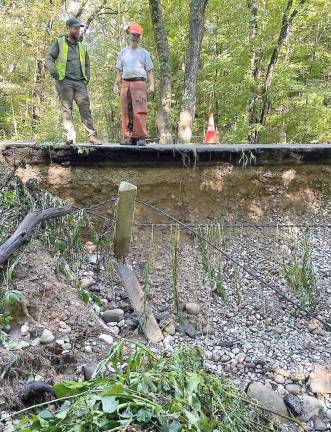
<point x="74" y="22"/>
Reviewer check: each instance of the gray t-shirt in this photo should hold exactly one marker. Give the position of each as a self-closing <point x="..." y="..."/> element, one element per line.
<point x="134" y="62"/>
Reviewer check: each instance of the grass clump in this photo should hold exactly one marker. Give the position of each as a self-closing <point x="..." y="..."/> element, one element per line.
<point x="299" y="272"/>
<point x="141" y="391"/>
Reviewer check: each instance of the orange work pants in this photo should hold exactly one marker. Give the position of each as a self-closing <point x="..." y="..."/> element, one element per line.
<point x="134" y="109"/>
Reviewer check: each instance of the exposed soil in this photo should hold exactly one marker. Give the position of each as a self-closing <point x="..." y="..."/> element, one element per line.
<point x="252" y="335"/>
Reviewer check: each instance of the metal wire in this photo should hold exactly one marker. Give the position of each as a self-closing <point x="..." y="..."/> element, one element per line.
<point x="234" y="261"/>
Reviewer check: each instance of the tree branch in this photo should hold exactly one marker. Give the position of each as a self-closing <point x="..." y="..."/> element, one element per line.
<point x="23" y="233"/>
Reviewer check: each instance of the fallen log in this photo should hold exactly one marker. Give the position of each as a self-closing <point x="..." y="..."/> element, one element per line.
<point x="23" y="233"/>
<point x="145" y="316"/>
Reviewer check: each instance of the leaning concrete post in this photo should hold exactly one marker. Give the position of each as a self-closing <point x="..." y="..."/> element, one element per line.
<point x="124" y="218"/>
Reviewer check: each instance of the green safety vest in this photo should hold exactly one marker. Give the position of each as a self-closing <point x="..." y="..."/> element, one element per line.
<point x="61" y="61"/>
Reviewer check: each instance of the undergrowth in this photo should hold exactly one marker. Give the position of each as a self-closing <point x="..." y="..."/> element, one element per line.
<point x="141" y="391"/>
<point x="64" y="238"/>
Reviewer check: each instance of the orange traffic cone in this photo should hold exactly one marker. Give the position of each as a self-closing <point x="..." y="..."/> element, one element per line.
<point x="211" y="134"/>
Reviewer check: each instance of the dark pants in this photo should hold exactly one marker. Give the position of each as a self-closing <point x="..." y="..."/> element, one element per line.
<point x="70" y="90"/>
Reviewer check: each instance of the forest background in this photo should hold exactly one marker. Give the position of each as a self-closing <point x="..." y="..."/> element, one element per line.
<point x="263" y="67"/>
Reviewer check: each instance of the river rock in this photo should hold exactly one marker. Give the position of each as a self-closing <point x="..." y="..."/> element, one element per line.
<point x="311" y="407"/>
<point x="25" y="329"/>
<point x="320" y="381"/>
<point x="188" y="328"/>
<point x="87" y="282"/>
<point x="279" y="379"/>
<point x="294" y="389"/>
<point x="320" y="425"/>
<point x="294" y="404"/>
<point x="170" y="328"/>
<point x="107" y="339"/>
<point x="88" y="371"/>
<point x="114" y="315"/>
<point x="193" y="308"/>
<point x="47" y="337"/>
<point x="269" y="398"/>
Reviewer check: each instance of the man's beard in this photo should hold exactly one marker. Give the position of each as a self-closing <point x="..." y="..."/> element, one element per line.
<point x="74" y="37"/>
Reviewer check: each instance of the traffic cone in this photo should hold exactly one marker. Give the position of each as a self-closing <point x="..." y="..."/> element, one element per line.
<point x="211" y="134"/>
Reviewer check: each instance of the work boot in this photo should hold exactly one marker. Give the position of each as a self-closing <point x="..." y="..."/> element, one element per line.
<point x="93" y="139"/>
<point x="126" y="142"/>
<point x="141" y="142"/>
<point x="71" y="138"/>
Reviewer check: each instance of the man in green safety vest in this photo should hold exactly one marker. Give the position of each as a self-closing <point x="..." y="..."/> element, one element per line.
<point x="68" y="63"/>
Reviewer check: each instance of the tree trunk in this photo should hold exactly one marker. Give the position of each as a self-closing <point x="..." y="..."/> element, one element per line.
<point x="163" y="120"/>
<point x="287" y="21"/>
<point x="196" y="32"/>
<point x="252" y="118"/>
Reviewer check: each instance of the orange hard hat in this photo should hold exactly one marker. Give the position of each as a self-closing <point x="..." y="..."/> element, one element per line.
<point x="135" y="28"/>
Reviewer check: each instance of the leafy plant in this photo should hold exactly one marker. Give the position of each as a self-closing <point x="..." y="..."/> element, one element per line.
<point x="147" y="392"/>
<point x="299" y="272"/>
<point x="211" y="262"/>
<point x="175" y="270"/>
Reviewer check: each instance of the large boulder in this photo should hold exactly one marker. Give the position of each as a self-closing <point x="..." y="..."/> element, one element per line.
<point x="320" y="381"/>
<point x="268" y="398"/>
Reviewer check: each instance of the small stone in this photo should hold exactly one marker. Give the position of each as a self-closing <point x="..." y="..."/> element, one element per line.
<point x="93" y="259"/>
<point x="35" y="342"/>
<point x="328" y="414"/>
<point x="132" y="324"/>
<point x="114" y="315"/>
<point x="193" y="308"/>
<point x="25" y="329"/>
<point x="87" y="282"/>
<point x="320" y="381"/>
<point x="311" y="407"/>
<point x="278" y="330"/>
<point x="67" y="346"/>
<point x="309" y="344"/>
<point x="208" y="355"/>
<point x="236" y="351"/>
<point x="107" y="339"/>
<point x="88" y="349"/>
<point x="170" y="329"/>
<point x="241" y="357"/>
<point x="294" y="389"/>
<point x="319" y="425"/>
<point x="293" y="404"/>
<point x="47" y="337"/>
<point x="167" y="340"/>
<point x="88" y="372"/>
<point x="279" y="379"/>
<point x="114" y="330"/>
<point x="208" y="330"/>
<point x="187" y="328"/>
<point x="216" y="356"/>
<point x="225" y="358"/>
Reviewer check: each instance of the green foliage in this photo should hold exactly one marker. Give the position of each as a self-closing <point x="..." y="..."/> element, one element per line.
<point x="299" y="272"/>
<point x="148" y="392"/>
<point x="175" y="270"/>
<point x="211" y="262"/>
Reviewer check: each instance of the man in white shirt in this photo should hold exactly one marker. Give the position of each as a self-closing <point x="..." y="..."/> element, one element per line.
<point x="135" y="72"/>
